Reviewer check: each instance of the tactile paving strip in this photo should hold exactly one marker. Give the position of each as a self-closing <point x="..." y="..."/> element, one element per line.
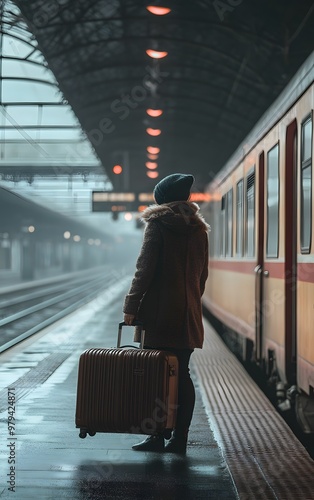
<point x="34" y="377"/>
<point x="264" y="457"/>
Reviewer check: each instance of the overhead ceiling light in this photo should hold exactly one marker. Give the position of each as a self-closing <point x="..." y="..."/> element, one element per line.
<point x="153" y="131"/>
<point x="158" y="11"/>
<point x="153" y="150"/>
<point x="152" y="157"/>
<point x="152" y="174"/>
<point x="154" y="112"/>
<point x="156" y="54"/>
<point x="151" y="165"/>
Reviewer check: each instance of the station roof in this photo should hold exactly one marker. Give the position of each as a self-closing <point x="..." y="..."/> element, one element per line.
<point x="227" y="60"/>
<point x="21" y="212"/>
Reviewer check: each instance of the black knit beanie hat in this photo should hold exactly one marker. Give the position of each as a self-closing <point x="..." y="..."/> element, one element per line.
<point x="174" y="187"/>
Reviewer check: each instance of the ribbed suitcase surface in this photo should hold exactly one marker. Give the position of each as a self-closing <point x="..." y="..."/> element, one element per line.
<point x="126" y="390"/>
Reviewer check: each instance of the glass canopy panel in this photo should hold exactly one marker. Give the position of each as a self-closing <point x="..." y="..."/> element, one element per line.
<point x="59" y="115"/>
<point x="13" y="45"/>
<point x="59" y="134"/>
<point x="28" y="91"/>
<point x="23" y="115"/>
<point x="16" y="68"/>
<point x="39" y="133"/>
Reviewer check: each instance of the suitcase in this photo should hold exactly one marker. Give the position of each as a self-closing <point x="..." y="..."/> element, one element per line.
<point x="127" y="390"/>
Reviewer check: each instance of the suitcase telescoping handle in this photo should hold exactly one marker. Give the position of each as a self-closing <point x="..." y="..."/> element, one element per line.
<point x="135" y="323"/>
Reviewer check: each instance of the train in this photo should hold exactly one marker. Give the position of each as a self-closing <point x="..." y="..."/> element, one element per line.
<point x="261" y="262"/>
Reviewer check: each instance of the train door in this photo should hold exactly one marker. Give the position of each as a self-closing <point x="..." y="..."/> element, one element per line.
<point x="276" y="267"/>
<point x="290" y="271"/>
<point x="259" y="267"/>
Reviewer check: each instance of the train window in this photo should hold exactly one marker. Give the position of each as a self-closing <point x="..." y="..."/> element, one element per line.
<point x="250" y="215"/>
<point x="306" y="185"/>
<point x="307" y="139"/>
<point x="229" y="217"/>
<point x="223" y="226"/>
<point x="272" y="202"/>
<point x="239" y="226"/>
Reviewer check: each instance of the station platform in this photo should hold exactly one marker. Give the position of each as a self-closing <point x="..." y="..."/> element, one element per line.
<point x="239" y="447"/>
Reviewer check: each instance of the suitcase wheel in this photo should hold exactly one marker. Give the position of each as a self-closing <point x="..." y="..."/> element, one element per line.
<point x="92" y="433"/>
<point x="82" y="433"/>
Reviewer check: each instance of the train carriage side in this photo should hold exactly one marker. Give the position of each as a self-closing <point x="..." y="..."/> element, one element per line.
<point x="261" y="267"/>
<point x="305" y="248"/>
<point x="230" y="289"/>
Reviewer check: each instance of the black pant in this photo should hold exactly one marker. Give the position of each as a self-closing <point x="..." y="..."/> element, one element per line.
<point x="186" y="392"/>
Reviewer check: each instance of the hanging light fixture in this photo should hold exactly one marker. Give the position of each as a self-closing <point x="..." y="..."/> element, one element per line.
<point x="154" y="112"/>
<point x="158" y="11"/>
<point x="156" y="54"/>
<point x="151" y="165"/>
<point x="152" y="174"/>
<point x="153" y="131"/>
<point x="153" y="150"/>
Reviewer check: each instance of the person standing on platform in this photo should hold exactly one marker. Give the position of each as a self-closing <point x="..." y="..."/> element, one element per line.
<point x="166" y="291"/>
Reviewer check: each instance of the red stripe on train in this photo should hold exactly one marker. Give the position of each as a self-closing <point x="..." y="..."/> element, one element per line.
<point x="305" y="270"/>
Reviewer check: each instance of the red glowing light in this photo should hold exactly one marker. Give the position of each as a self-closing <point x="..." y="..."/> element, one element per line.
<point x="141" y="208"/>
<point x="117" y="169"/>
<point x="156" y="54"/>
<point x="153" y="150"/>
<point x="152" y="157"/>
<point x="158" y="11"/>
<point x="153" y="131"/>
<point x="154" y="112"/>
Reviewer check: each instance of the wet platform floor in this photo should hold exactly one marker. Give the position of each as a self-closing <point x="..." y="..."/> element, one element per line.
<point x="52" y="462"/>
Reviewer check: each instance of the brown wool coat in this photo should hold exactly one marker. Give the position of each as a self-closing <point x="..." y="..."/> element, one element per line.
<point x="170" y="276"/>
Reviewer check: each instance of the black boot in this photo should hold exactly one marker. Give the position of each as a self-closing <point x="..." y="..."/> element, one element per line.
<point x="178" y="442"/>
<point x="155" y="442"/>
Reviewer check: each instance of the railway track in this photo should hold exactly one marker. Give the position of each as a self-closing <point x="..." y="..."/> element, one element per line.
<point x="26" y="311"/>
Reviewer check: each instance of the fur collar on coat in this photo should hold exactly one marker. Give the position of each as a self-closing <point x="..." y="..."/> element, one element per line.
<point x="176" y="215"/>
